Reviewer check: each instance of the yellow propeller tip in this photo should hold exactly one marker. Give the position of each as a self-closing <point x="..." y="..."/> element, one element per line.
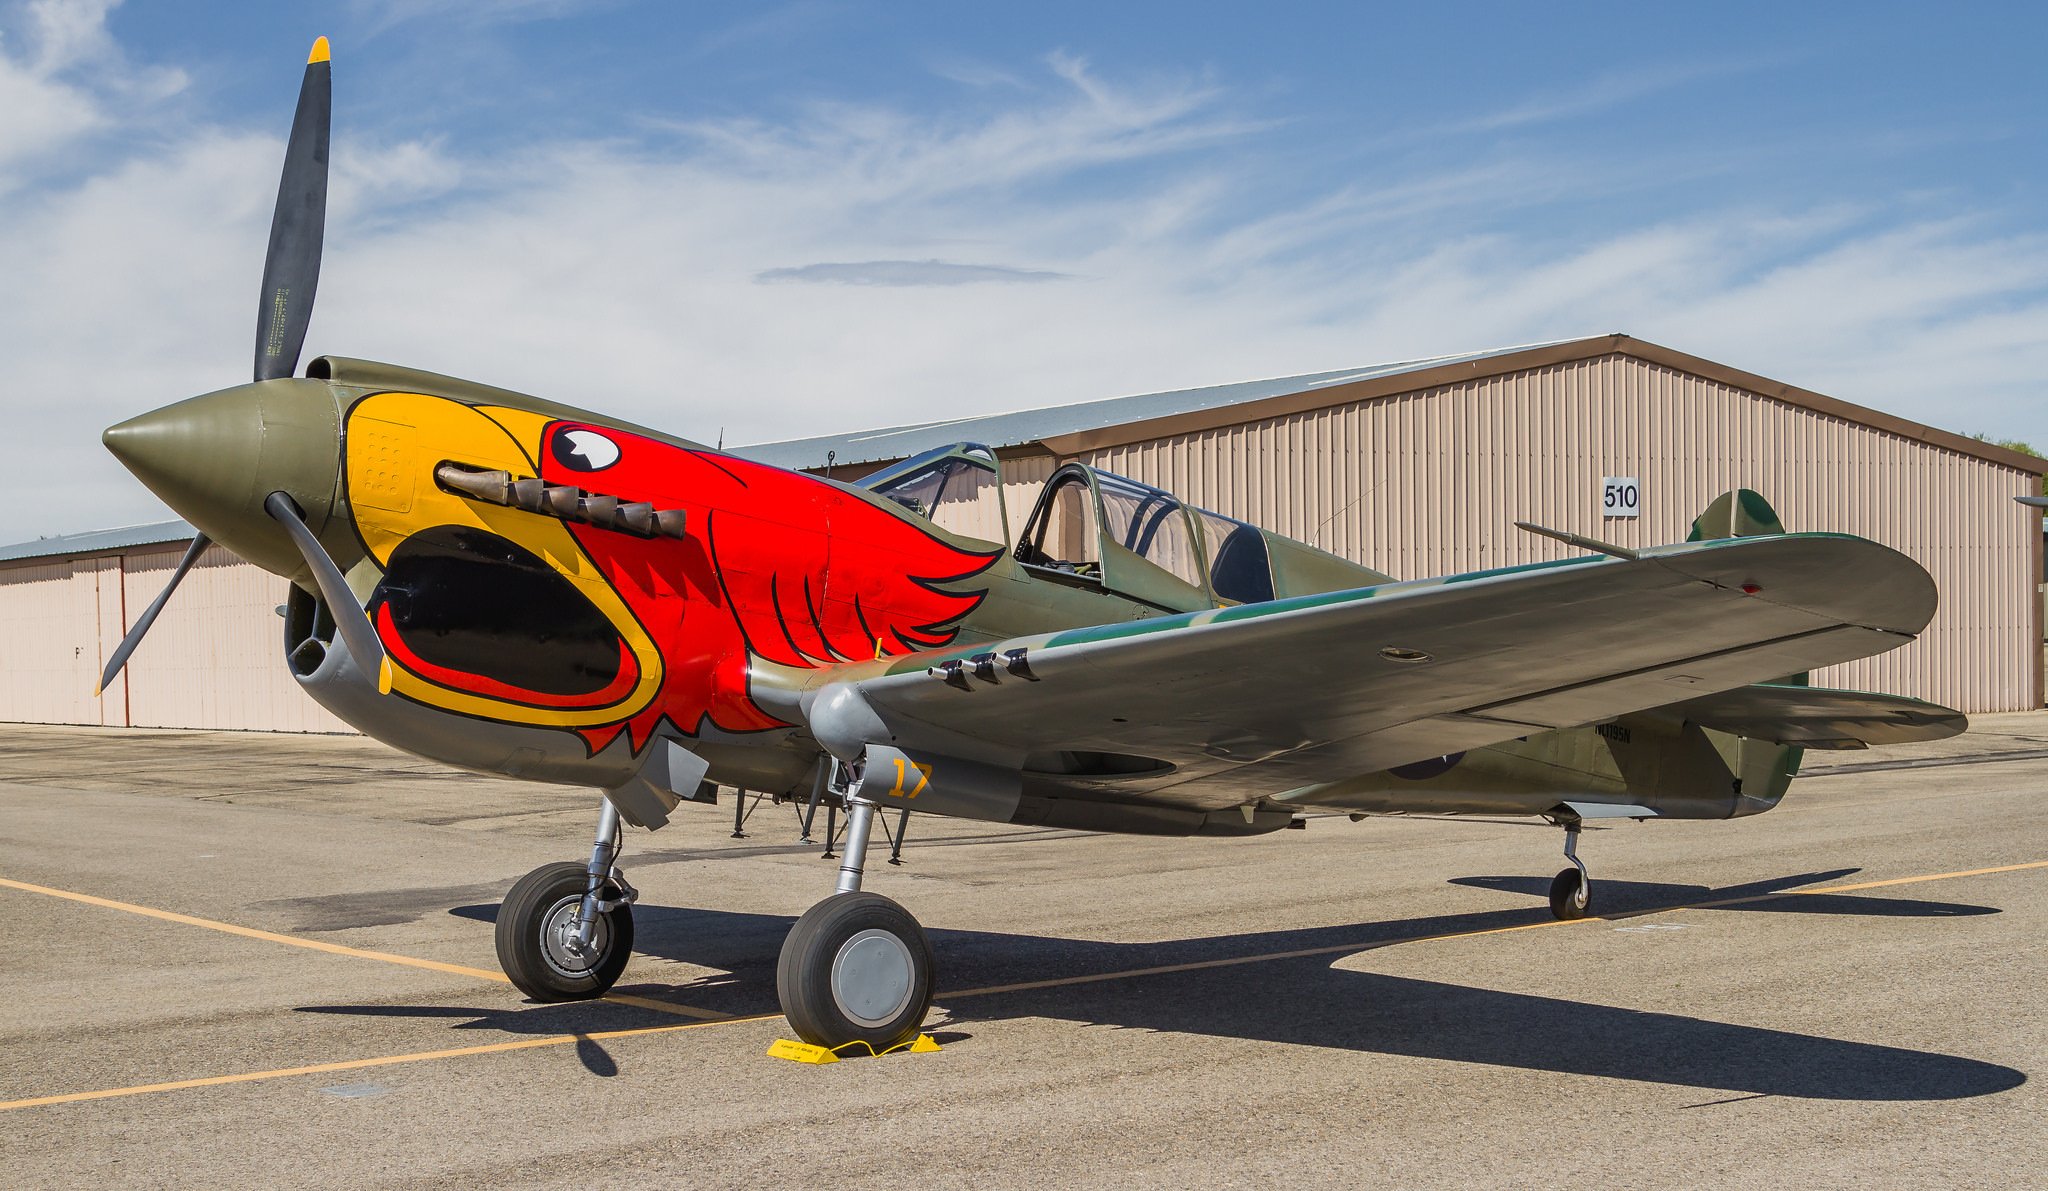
<point x="319" y="53"/>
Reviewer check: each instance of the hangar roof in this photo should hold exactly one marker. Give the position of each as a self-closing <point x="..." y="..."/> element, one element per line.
<point x="1038" y="425"/>
<point x="1089" y="425"/>
<point x="99" y="541"/>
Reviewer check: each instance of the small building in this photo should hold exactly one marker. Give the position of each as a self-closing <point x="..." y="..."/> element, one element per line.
<point x="1414" y="469"/>
<point x="215" y="658"/>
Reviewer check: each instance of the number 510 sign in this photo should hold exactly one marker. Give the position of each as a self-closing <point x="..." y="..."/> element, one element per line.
<point x="1620" y="496"/>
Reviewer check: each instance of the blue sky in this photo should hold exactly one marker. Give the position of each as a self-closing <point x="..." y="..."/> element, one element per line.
<point x="777" y="220"/>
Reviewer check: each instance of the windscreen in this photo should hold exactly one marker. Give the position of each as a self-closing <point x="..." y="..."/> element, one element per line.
<point x="957" y="493"/>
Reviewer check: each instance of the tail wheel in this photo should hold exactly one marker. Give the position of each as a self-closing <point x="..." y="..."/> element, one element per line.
<point x="536" y="923"/>
<point x="855" y="968"/>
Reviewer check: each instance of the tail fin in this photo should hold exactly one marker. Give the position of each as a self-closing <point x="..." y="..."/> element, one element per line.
<point x="1742" y="513"/>
<point x="1766" y="767"/>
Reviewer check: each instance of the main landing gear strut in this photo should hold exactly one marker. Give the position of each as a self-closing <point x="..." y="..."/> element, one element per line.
<point x="565" y="930"/>
<point x="856" y="967"/>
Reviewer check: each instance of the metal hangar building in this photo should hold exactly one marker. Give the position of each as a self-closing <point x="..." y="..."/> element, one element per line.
<point x="1415" y="469"/>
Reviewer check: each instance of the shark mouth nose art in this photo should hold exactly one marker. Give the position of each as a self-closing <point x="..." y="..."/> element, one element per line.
<point x="465" y="607"/>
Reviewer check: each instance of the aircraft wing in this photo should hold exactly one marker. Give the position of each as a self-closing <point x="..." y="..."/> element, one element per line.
<point x="1217" y="708"/>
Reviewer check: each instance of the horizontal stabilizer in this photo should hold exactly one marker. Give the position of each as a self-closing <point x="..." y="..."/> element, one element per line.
<point x="1817" y="718"/>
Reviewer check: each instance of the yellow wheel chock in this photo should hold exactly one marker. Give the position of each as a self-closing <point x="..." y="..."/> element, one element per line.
<point x="805" y="1052"/>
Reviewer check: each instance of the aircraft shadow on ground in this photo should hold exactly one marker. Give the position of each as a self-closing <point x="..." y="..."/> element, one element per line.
<point x="1251" y="989"/>
<point x="1627" y="897"/>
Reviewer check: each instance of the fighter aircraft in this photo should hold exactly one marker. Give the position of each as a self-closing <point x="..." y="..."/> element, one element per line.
<point x="498" y="582"/>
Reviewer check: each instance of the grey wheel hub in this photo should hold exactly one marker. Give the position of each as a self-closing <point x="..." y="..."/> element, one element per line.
<point x="872" y="977"/>
<point x="558" y="926"/>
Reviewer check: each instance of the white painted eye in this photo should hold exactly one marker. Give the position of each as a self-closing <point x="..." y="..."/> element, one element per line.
<point x="585" y="450"/>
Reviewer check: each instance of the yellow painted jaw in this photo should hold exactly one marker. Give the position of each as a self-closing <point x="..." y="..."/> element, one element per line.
<point x="394" y="441"/>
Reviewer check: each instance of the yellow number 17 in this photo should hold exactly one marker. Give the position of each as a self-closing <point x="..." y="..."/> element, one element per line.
<point x="924" y="779"/>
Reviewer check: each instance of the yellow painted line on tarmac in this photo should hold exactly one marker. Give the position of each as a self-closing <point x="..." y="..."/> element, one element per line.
<point x="1348" y="948"/>
<point x="247" y="932"/>
<point x="359" y="1064"/>
<point x="703" y="1015"/>
<point x="431" y="965"/>
<point x="566" y="1039"/>
<point x="1968" y="872"/>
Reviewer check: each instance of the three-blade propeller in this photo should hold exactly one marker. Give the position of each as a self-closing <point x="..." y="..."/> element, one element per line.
<point x="291" y="274"/>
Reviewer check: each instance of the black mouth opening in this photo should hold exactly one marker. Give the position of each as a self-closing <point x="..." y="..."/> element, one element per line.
<point x="468" y="602"/>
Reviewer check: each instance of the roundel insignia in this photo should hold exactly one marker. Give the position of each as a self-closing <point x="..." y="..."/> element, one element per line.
<point x="583" y="450"/>
<point x="1423" y="770"/>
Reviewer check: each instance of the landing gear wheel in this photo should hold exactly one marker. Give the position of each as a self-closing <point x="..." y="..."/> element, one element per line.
<point x="1569" y="897"/>
<point x="855" y="968"/>
<point x="535" y="923"/>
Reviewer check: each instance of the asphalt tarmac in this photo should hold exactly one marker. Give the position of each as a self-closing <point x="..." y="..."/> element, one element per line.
<point x="241" y="960"/>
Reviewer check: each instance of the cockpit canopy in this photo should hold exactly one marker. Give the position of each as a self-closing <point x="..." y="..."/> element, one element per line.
<point x="1094" y="525"/>
<point x="1095" y="529"/>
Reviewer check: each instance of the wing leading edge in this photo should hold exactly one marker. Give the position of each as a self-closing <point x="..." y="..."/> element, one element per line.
<point x="1214" y="709"/>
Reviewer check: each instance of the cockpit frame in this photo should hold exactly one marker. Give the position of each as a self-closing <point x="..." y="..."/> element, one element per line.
<point x="1125" y="537"/>
<point x="900" y="482"/>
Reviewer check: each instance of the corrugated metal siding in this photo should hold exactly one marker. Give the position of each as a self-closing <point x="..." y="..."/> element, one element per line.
<point x="1428" y="483"/>
<point x="213" y="660"/>
<point x="216" y="655"/>
<point x="1023" y="479"/>
<point x="52" y="658"/>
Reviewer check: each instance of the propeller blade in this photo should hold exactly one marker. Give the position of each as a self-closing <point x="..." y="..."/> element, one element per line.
<point x="291" y="269"/>
<point x="356" y="631"/>
<point x="134" y="638"/>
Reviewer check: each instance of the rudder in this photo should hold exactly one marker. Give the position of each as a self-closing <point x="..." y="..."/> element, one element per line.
<point x="1740" y="513"/>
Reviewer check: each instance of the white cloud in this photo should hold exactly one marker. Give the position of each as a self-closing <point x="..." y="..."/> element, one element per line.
<point x="622" y="276"/>
<point x="777" y="24"/>
<point x="39" y="111"/>
<point x="381" y="15"/>
<point x="1600" y="93"/>
<point x="48" y="104"/>
<point x="37" y="114"/>
<point x="931" y="272"/>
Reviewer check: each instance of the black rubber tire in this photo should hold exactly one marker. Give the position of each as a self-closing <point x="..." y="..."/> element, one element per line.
<point x="1569" y="898"/>
<point x="522" y="918"/>
<point x="803" y="974"/>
